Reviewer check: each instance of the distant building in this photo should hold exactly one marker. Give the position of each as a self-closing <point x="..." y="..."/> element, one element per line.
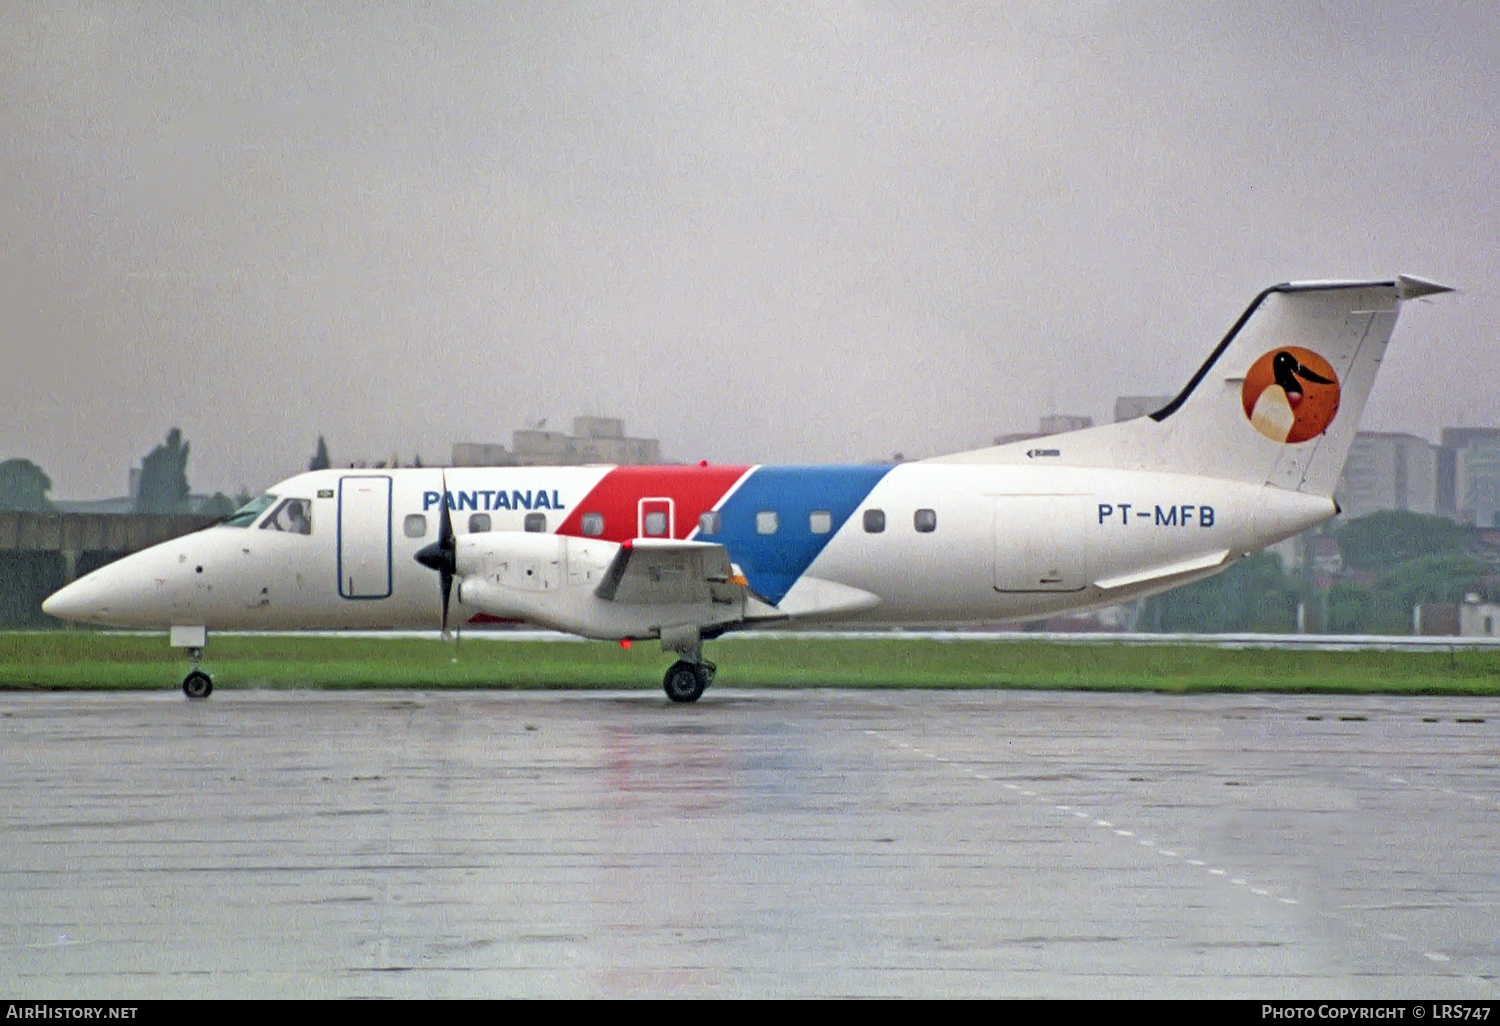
<point x="1129" y="407"/>
<point x="121" y="505"/>
<point x="125" y="504"/>
<point x="480" y="454"/>
<point x="1478" y="619"/>
<point x="1468" y="476"/>
<point x="1051" y="424"/>
<point x="598" y="427"/>
<point x="1057" y="423"/>
<point x="1388" y="470"/>
<point x="1435" y="619"/>
<point x="1324" y="555"/>
<point x="593" y="440"/>
<point x="603" y="440"/>
<point x="539" y="448"/>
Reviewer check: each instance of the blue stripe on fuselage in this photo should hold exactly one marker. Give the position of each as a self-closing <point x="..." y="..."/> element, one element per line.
<point x="773" y="562"/>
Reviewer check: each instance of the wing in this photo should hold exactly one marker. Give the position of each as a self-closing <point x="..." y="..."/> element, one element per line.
<point x="662" y="571"/>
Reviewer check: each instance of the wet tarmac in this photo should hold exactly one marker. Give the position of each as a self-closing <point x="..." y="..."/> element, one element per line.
<point x="770" y="843"/>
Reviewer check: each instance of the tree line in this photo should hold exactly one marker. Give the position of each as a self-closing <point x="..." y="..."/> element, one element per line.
<point x="1378" y="569"/>
<point x="162" y="486"/>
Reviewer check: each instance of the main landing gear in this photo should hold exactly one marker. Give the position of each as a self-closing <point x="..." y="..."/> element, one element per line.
<point x="686" y="680"/>
<point x="688" y="676"/>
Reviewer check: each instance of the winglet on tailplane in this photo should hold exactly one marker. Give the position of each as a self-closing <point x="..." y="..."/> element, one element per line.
<point x="1277" y="402"/>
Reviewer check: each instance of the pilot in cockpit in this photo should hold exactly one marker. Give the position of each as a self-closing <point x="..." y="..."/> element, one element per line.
<point x="292" y="517"/>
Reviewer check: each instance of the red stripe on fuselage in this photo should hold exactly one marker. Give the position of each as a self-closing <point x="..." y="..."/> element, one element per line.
<point x="617" y="497"/>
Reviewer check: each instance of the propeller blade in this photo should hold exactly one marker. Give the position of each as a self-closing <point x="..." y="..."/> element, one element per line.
<point x="447" y="586"/>
<point x="450" y="549"/>
<point x="441" y="554"/>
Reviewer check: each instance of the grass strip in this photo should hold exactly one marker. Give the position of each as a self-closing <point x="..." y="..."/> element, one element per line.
<point x="83" y="660"/>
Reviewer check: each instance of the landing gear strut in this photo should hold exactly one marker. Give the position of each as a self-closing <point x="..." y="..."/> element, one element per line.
<point x="686" y="678"/>
<point x="196" y="684"/>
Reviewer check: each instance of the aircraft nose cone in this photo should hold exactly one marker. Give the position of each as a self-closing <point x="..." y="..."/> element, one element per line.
<point x="76" y="601"/>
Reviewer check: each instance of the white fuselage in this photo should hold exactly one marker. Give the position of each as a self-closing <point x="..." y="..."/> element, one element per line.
<point x="904" y="544"/>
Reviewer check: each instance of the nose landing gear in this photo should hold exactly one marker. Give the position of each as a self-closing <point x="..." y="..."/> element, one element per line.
<point x="196" y="684"/>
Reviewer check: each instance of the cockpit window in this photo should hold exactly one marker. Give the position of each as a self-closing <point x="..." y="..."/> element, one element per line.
<point x="294" y="516"/>
<point x="246" y="514"/>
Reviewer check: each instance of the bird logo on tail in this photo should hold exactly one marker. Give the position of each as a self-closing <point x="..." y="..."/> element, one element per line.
<point x="1291" y="394"/>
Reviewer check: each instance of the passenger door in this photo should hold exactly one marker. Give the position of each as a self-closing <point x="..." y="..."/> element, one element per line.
<point x="364" y="538"/>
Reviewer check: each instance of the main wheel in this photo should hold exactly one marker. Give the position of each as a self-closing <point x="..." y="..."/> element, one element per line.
<point x="684" y="681"/>
<point x="197" y="685"/>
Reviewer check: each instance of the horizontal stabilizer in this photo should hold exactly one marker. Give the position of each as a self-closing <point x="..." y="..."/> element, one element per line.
<point x="1165" y="572"/>
<point x="1415" y="288"/>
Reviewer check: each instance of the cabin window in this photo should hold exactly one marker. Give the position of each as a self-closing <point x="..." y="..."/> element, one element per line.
<point x="820" y="521"/>
<point x="246" y="514"/>
<point x="593" y="524"/>
<point x="479" y="523"/>
<point x="766" y="522"/>
<point x="710" y="522"/>
<point x="925" y="521"/>
<point x="874" y="521"/>
<point x="656" y="524"/>
<point x="294" y="516"/>
<point x="536" y="523"/>
<point x="415" y="525"/>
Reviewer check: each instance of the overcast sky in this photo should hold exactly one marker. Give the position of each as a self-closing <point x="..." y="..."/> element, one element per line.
<point x="817" y="232"/>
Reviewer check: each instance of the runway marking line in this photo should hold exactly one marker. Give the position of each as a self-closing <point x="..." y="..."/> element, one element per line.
<point x="1434" y="956"/>
<point x="1489" y="801"/>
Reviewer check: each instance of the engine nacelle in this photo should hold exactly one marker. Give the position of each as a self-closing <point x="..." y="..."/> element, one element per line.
<point x="552" y="580"/>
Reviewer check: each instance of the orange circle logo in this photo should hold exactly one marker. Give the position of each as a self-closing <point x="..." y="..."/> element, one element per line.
<point x="1291" y="394"/>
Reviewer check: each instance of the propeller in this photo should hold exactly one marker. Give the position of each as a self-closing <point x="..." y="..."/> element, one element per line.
<point x="440" y="555"/>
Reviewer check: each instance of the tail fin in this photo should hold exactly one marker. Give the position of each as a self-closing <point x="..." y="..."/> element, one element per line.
<point x="1277" y="402"/>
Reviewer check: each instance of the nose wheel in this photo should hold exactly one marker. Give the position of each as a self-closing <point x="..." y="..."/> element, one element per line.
<point x="685" y="681"/>
<point x="197" y="685"/>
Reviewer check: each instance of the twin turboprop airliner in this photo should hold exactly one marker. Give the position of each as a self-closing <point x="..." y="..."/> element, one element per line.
<point x="1246" y="455"/>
